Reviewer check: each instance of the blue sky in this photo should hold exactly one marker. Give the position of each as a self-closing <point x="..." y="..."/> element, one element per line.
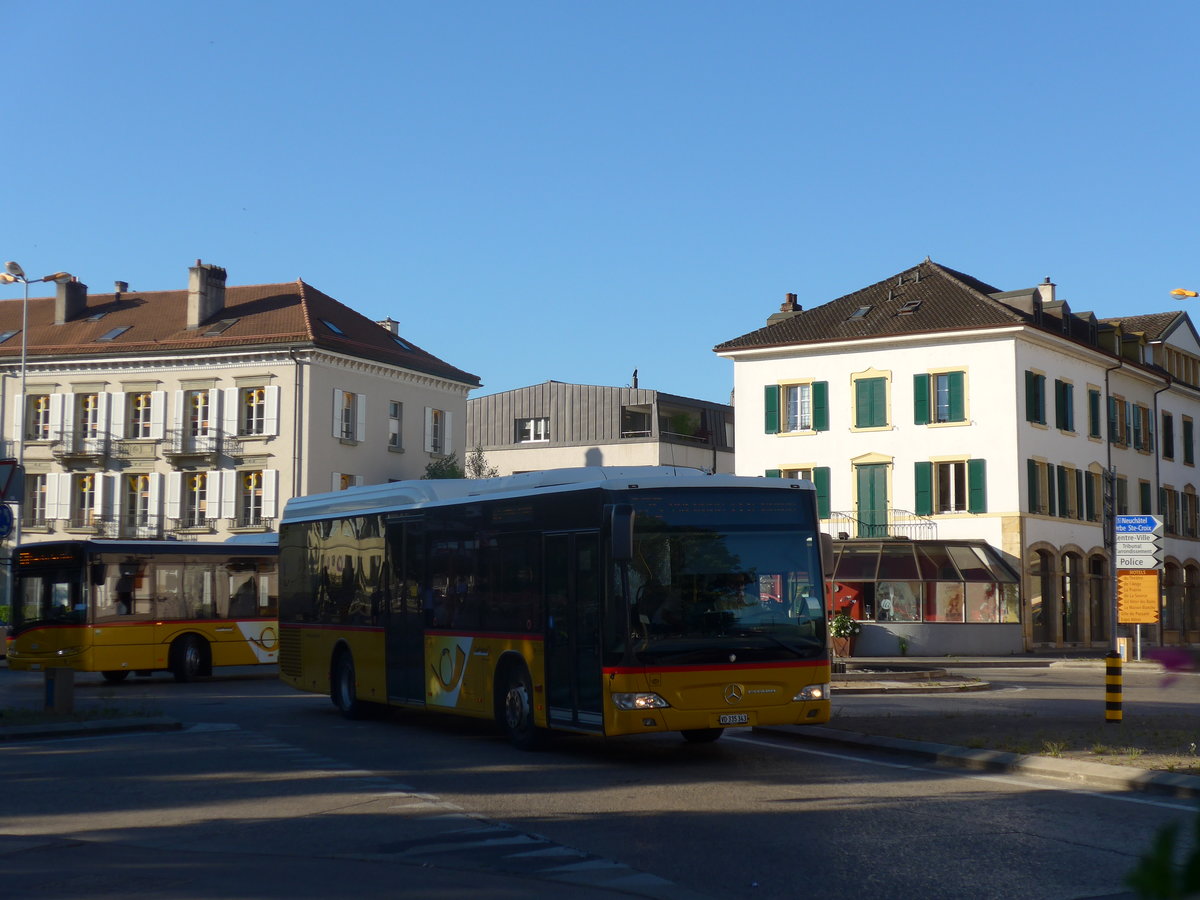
<point x="572" y="190"/>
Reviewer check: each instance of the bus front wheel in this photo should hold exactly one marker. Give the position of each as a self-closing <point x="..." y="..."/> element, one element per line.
<point x="517" y="710"/>
<point x="343" y="689"/>
<point x="115" y="676"/>
<point x="187" y="658"/>
<point x="702" y="735"/>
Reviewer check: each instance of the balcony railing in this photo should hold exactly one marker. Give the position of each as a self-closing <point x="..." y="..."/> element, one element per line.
<point x="81" y="448"/>
<point x="250" y="521"/>
<point x="192" y="522"/>
<point x="141" y="527"/>
<point x="184" y="443"/>
<point x="889" y="523"/>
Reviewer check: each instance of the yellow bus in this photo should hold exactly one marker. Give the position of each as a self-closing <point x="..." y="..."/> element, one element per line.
<point x="117" y="607"/>
<point x="608" y="601"/>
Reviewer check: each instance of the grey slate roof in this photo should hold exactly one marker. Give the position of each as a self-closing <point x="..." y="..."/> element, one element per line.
<point x="944" y="299"/>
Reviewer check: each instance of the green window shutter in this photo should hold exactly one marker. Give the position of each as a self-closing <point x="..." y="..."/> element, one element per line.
<point x="1051" y="496"/>
<point x="923" y="479"/>
<point x="1094" y="414"/>
<point x="1089" y="495"/>
<point x="1069" y="407"/>
<point x="920" y="400"/>
<point x="1189" y="449"/>
<point x="774" y="473"/>
<point x="820" y="406"/>
<point x="821" y="480"/>
<point x="1064" y="497"/>
<point x="771" y="407"/>
<point x="1079" y="496"/>
<point x="1031" y="487"/>
<point x="870" y="406"/>
<point x="958" y="404"/>
<point x="977" y="485"/>
<point x="1113" y="432"/>
<point x="1030" y="397"/>
<point x="1144" y="498"/>
<point x="1060" y="405"/>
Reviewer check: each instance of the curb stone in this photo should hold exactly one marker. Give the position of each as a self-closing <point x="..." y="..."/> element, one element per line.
<point x="1076" y="771"/>
<point x="95" y="726"/>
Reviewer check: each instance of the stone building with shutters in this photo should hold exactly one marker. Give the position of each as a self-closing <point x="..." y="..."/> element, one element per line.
<point x="961" y="439"/>
<point x="197" y="413"/>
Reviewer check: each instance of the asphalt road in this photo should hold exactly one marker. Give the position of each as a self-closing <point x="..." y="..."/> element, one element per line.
<point x="268" y="793"/>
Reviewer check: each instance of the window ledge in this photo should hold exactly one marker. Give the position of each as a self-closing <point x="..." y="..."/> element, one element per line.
<point x="349" y="442"/>
<point x="395" y="449"/>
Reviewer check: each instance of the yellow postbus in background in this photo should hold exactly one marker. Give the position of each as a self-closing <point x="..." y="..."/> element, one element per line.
<point x="608" y="601"/>
<point x="117" y="607"/>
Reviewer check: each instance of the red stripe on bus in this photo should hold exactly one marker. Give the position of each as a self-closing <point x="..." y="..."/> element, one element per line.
<point x="720" y="667"/>
<point x="315" y="626"/>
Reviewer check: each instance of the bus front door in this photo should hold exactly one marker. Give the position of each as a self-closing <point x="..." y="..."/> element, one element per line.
<point x="573" y="682"/>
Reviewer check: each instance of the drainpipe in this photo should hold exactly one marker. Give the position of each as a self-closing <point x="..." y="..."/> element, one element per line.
<point x="1158" y="492"/>
<point x="297" y="430"/>
<point x="1110" y="520"/>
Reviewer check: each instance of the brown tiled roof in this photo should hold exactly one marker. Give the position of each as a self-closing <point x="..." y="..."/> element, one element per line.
<point x="288" y="314"/>
<point x="940" y="299"/>
<point x="1152" y="325"/>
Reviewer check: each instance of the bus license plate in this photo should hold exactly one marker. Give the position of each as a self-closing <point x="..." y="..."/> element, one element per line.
<point x="734" y="719"/>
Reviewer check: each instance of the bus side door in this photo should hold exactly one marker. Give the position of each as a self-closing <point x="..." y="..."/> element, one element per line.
<point x="573" y="583"/>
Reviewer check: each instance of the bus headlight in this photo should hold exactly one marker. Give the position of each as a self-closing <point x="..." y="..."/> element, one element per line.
<point x="813" y="692"/>
<point x="639" y="700"/>
<point x="68" y="651"/>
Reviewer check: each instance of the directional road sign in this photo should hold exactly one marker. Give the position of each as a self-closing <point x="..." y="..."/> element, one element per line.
<point x="1139" y="525"/>
<point x="1138" y="543"/>
<point x="1131" y="561"/>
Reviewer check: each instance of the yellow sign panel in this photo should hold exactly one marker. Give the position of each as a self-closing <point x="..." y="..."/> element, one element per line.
<point x="1137" y="597"/>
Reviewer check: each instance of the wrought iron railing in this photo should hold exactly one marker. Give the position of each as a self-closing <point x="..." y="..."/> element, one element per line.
<point x="889" y="523"/>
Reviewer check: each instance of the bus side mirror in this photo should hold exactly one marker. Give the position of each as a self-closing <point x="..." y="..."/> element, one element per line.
<point x="622" y="532"/>
<point x="827" y="555"/>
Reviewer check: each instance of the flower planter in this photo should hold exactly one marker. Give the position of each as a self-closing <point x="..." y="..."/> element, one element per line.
<point x="843" y="646"/>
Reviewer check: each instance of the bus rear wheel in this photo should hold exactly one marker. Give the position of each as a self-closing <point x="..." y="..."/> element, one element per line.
<point x="187" y="658"/>
<point x="115" y="676"/>
<point x="343" y="688"/>
<point x="517" y="710"/>
<point x="702" y="735"/>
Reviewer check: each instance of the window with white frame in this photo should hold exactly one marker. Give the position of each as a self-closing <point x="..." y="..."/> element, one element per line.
<point x="141" y="414"/>
<point x="951" y="486"/>
<point x="87" y="415"/>
<point x="84" y="501"/>
<point x="798" y="406"/>
<point x="194" y="500"/>
<point x="39" y="417"/>
<point x="199" y="408"/>
<point x="252" y="410"/>
<point x="533" y="430"/>
<point x="34" y="509"/>
<point x="348" y="415"/>
<point x="250" y="498"/>
<point x="437" y="430"/>
<point x="395" y="425"/>
<point x="136" y="502"/>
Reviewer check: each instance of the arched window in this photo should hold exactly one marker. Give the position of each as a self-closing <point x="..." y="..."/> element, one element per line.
<point x="1041" y="601"/>
<point x="1072" y="597"/>
<point x="1099" y="604"/>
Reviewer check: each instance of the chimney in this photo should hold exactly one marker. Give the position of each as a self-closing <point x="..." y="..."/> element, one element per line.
<point x="390" y="325"/>
<point x="70" y="299"/>
<point x="120" y="287"/>
<point x="787" y="309"/>
<point x="206" y="293"/>
<point x="1046" y="289"/>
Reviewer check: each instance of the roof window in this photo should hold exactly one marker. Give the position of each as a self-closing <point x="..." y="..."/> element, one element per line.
<point x="96" y="317"/>
<point x="220" y="327"/>
<point x="5" y="335"/>
<point x="114" y="333"/>
<point x="860" y="313"/>
<point x="402" y="343"/>
<point x="331" y="326"/>
<point x="909" y="307"/>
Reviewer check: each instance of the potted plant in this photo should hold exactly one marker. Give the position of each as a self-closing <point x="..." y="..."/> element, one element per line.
<point x="843" y="630"/>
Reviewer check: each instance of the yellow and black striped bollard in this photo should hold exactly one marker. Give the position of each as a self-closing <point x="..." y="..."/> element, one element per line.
<point x="1112" y="688"/>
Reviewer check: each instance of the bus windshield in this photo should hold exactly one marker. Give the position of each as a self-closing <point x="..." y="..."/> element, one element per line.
<point x="749" y="588"/>
<point x="48" y="599"/>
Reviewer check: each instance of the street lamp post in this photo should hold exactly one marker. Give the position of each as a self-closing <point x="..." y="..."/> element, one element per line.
<point x="12" y="274"/>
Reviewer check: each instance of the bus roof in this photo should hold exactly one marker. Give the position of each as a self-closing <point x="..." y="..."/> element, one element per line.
<point x="441" y="491"/>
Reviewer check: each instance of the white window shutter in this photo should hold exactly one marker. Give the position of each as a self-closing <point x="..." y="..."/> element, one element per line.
<point x="155" y="495"/>
<point x="360" y="426"/>
<point x="180" y="416"/>
<point x="19" y="418"/>
<point x="337" y="413"/>
<point x="270" y="489"/>
<point x="174" y="492"/>
<point x="116" y="495"/>
<point x="102" y="404"/>
<point x="117" y="415"/>
<point x="448" y="432"/>
<point x="103" y="490"/>
<point x="229" y="489"/>
<point x="54" y="492"/>
<point x="214" y="410"/>
<point x="66" y="429"/>
<point x="57" y="402"/>
<point x="229" y="424"/>
<point x="158" y="414"/>
<point x="271" y="409"/>
<point x="212" y="494"/>
<point x="335" y="482"/>
<point x="429" y="429"/>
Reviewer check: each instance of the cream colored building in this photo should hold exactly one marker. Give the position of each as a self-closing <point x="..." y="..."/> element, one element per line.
<point x="197" y="413"/>
<point x="931" y="407"/>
